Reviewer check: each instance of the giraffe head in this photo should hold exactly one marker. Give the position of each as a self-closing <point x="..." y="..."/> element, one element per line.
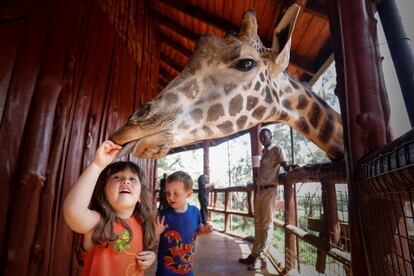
<point x="232" y="84"/>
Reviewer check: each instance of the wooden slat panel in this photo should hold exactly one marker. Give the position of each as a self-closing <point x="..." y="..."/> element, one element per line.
<point x="322" y="39"/>
<point x="12" y="33"/>
<point x="311" y="38"/>
<point x="38" y="136"/>
<point x="86" y="76"/>
<point x="301" y="27"/>
<point x="16" y="109"/>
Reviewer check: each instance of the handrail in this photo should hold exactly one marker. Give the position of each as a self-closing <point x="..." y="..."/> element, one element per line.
<point x="328" y="174"/>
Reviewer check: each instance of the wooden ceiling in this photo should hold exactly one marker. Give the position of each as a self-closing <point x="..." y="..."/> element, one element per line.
<point x="182" y="22"/>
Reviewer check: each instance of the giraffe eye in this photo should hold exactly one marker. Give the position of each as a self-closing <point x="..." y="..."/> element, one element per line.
<point x="245" y="64"/>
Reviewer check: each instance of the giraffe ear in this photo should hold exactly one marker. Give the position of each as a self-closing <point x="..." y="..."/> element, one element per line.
<point x="282" y="37"/>
<point x="248" y="28"/>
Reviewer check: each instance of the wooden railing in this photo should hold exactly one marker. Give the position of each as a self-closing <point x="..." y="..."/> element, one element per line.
<point x="329" y="227"/>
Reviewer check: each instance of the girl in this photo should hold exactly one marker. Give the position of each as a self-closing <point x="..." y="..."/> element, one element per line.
<point x="114" y="215"/>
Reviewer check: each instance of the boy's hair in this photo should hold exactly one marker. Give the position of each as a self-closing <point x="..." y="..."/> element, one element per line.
<point x="182" y="177"/>
<point x="103" y="232"/>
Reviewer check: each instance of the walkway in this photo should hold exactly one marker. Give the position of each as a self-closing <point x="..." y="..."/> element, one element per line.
<point x="217" y="254"/>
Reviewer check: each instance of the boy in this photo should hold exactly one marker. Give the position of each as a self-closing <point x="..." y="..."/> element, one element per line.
<point x="178" y="227"/>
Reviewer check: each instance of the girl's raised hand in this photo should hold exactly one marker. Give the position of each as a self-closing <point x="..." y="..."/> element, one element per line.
<point x="160" y="226"/>
<point x="106" y="153"/>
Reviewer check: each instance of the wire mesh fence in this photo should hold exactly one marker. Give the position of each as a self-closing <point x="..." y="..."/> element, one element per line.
<point x="318" y="250"/>
<point x="386" y="188"/>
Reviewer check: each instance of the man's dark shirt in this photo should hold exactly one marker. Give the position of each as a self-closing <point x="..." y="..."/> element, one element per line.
<point x="202" y="191"/>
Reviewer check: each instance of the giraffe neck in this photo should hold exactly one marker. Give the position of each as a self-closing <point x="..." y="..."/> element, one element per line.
<point x="307" y="113"/>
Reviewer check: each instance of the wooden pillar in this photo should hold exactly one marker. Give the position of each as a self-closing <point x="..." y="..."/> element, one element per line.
<point x="331" y="228"/>
<point x="206" y="169"/>
<point x="364" y="103"/>
<point x="256" y="150"/>
<point x="330" y="211"/>
<point x="290" y="218"/>
<point x="206" y="157"/>
<point x="256" y="155"/>
<point x="227" y="216"/>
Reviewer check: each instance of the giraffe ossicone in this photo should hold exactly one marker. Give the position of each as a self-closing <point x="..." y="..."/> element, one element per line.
<point x="232" y="84"/>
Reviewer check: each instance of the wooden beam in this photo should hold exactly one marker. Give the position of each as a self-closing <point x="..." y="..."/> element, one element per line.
<point x="317" y="9"/>
<point x="171" y="63"/>
<point x="175" y="27"/>
<point x="196" y="12"/>
<point x="162" y="83"/>
<point x="167" y="76"/>
<point x="176" y="46"/>
<point x="303" y="64"/>
<point x="168" y="69"/>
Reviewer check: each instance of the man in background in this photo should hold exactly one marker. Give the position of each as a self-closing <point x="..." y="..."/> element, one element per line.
<point x="203" y="190"/>
<point x="163" y="200"/>
<point x="267" y="180"/>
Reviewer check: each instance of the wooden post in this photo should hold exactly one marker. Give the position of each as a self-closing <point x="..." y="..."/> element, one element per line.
<point x="290" y="218"/>
<point x="256" y="150"/>
<point x="206" y="157"/>
<point x="330" y="211"/>
<point x="227" y="216"/>
<point x="363" y="100"/>
<point x="206" y="168"/>
<point x="331" y="228"/>
<point x="256" y="155"/>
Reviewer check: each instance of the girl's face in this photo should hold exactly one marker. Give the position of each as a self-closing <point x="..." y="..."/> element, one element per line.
<point x="123" y="190"/>
<point x="176" y="195"/>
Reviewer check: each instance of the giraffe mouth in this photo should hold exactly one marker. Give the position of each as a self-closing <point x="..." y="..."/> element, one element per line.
<point x="127" y="148"/>
<point x="152" y="146"/>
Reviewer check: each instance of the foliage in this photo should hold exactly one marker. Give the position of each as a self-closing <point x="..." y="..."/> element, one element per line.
<point x="188" y="161"/>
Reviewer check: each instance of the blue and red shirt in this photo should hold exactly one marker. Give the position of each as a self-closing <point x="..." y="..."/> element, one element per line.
<point x="176" y="247"/>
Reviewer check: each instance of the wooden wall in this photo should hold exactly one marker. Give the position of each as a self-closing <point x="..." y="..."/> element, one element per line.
<point x="69" y="76"/>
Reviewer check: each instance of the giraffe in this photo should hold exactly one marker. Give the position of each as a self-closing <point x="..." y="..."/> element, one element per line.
<point x="232" y="84"/>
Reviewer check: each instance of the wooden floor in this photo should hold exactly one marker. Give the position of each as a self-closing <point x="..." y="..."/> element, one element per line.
<point x="218" y="254"/>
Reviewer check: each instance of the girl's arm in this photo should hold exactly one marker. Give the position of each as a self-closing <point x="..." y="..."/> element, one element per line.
<point x="76" y="206"/>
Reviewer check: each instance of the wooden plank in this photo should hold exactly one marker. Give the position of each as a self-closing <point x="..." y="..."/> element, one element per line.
<point x="171" y="63"/>
<point x="38" y="136"/>
<point x="311" y="40"/>
<point x="15" y="112"/>
<point x="176" y="46"/>
<point x="221" y="25"/>
<point x="12" y="34"/>
<point x="86" y="76"/>
<point x="301" y="27"/>
<point x="290" y="219"/>
<point x="322" y="39"/>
